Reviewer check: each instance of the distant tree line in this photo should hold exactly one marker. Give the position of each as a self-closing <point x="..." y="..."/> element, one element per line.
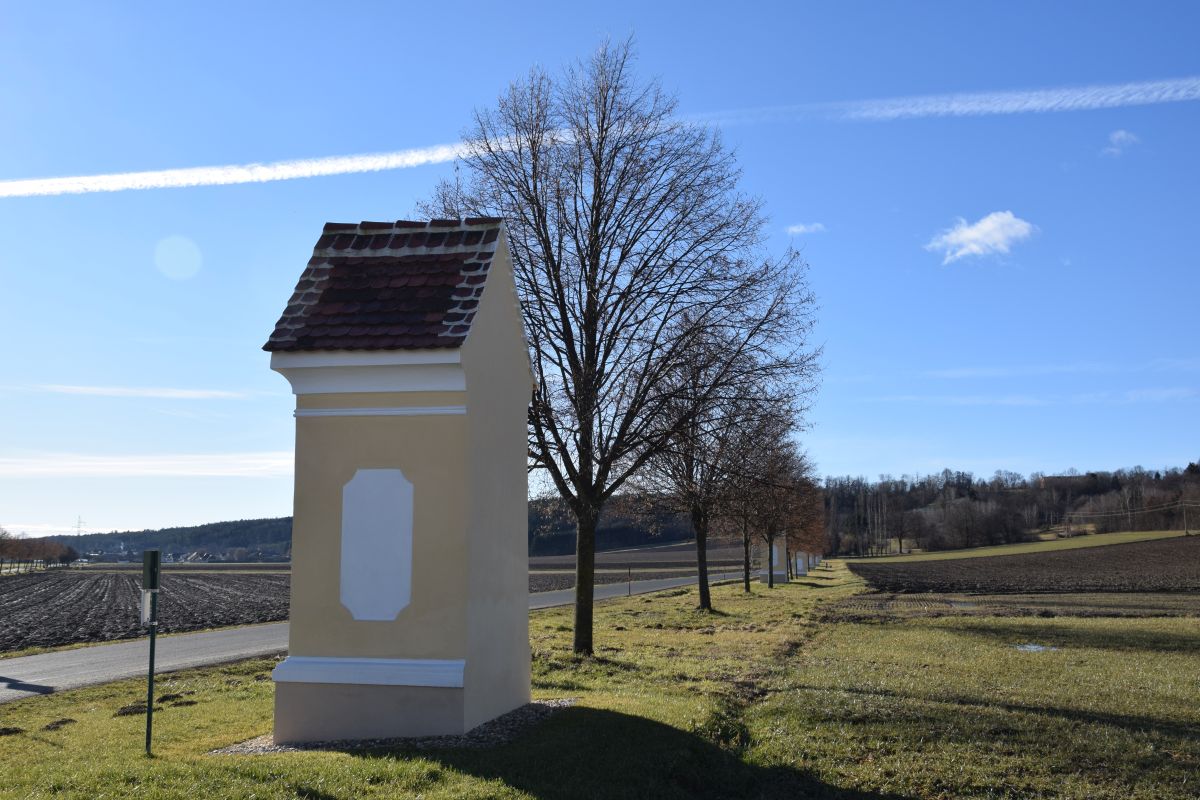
<point x="631" y="520"/>
<point x="627" y="521"/>
<point x="952" y="509"/>
<point x="18" y="554"/>
<point x="260" y="537"/>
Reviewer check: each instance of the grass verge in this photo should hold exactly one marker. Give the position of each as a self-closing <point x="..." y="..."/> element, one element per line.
<point x="756" y="701"/>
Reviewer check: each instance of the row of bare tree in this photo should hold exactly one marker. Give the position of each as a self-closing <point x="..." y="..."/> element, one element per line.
<point x="42" y="552"/>
<point x="664" y="343"/>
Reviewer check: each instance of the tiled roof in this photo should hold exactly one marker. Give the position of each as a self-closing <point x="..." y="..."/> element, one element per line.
<point x="389" y="286"/>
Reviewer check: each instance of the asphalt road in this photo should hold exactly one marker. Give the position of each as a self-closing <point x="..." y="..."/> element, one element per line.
<point x="28" y="676"/>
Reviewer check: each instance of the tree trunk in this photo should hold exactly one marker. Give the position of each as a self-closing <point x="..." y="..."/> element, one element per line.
<point x="700" y="526"/>
<point x="771" y="563"/>
<point x="585" y="577"/>
<point x="745" y="556"/>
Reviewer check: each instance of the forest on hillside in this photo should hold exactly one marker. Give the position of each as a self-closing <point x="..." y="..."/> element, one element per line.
<point x="953" y="510"/>
<point x="626" y="522"/>
<point x="233" y="540"/>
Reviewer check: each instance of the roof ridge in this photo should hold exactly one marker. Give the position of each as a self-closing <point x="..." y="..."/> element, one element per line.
<point x="409" y="225"/>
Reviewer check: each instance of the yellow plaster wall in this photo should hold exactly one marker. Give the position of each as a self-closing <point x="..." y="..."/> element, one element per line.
<point x="381" y="400"/>
<point x="431" y="451"/>
<point x="499" y="385"/>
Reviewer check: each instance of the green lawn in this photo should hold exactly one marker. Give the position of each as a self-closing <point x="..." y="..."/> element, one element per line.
<point x="758" y="701"/>
<point x="1091" y="540"/>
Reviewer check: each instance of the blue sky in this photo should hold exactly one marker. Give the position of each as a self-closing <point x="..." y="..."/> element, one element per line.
<point x="1008" y="280"/>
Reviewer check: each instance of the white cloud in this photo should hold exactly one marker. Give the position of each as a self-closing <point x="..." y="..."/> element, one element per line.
<point x="1130" y="397"/>
<point x="1159" y="395"/>
<point x="156" y="393"/>
<point x="802" y="228"/>
<point x="964" y="399"/>
<point x="995" y="233"/>
<point x="1175" y="364"/>
<point x="1118" y="142"/>
<point x="1076" y="368"/>
<point x="1020" y="371"/>
<point x="271" y="464"/>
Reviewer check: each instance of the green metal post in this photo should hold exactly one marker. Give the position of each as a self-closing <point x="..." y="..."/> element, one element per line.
<point x="150" y="675"/>
<point x="150" y="580"/>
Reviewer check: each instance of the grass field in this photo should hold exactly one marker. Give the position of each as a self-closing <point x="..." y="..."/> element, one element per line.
<point x="760" y="700"/>
<point x="1091" y="540"/>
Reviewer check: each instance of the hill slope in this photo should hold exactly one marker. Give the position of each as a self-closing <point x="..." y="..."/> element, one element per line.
<point x="551" y="532"/>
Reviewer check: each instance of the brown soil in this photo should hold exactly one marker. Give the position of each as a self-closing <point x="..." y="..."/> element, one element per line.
<point x="49" y="609"/>
<point x="1165" y="565"/>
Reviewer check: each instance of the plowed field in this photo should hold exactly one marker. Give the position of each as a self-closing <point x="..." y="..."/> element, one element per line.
<point x="1165" y="565"/>
<point x="56" y="608"/>
<point x="49" y="609"/>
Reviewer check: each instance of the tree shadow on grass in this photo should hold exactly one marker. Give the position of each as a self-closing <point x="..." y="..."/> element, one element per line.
<point x="810" y="583"/>
<point x="1076" y="634"/>
<point x="592" y="753"/>
<point x="18" y="685"/>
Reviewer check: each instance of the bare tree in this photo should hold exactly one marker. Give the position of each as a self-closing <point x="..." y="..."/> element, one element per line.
<point x="701" y="462"/>
<point x="754" y="471"/>
<point x="783" y="496"/>
<point x="629" y="239"/>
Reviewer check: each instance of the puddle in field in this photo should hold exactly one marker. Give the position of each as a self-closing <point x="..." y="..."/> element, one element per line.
<point x="1029" y="647"/>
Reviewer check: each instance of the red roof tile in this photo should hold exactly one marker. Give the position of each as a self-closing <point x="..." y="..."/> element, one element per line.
<point x="389" y="286"/>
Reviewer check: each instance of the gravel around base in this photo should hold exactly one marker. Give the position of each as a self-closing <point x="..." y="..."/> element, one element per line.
<point x="499" y="731"/>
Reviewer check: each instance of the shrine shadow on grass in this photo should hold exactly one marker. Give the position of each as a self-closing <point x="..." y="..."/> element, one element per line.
<point x="593" y="753"/>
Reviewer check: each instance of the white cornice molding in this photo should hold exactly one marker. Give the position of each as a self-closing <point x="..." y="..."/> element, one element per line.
<point x="371" y="671"/>
<point x="337" y="371"/>
<point x="399" y="411"/>
<point x="365" y="358"/>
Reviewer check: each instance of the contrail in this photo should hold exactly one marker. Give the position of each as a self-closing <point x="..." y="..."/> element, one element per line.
<point x="1074" y="98"/>
<point x="1071" y="98"/>
<point x="974" y="104"/>
<point x="234" y="173"/>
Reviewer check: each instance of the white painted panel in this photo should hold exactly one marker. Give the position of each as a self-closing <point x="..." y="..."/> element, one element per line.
<point x="375" y="378"/>
<point x="377" y="544"/>
<point x="371" y="671"/>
